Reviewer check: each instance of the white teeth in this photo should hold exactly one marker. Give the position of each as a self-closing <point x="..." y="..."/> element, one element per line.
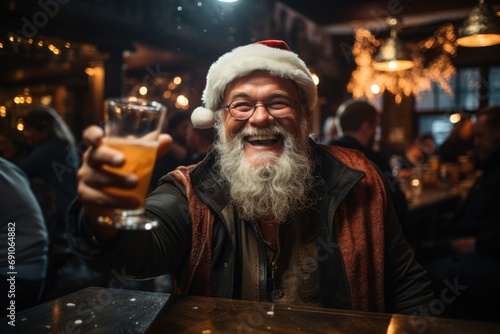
<point x="262" y="137"/>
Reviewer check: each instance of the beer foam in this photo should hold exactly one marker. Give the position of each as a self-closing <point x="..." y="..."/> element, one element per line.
<point x="130" y="141"/>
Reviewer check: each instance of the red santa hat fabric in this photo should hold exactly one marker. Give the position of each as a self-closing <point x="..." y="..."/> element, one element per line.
<point x="273" y="56"/>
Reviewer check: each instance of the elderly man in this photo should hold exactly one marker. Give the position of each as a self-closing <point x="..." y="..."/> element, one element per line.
<point x="268" y="214"/>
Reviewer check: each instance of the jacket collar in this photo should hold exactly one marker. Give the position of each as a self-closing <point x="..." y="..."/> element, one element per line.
<point x="339" y="178"/>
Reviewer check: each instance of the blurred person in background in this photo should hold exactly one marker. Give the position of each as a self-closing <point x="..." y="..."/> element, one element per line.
<point x="329" y="131"/>
<point x="458" y="143"/>
<point x="415" y="154"/>
<point x="427" y="144"/>
<point x="468" y="252"/>
<point x="24" y="234"/>
<point x="199" y="142"/>
<point x="177" y="127"/>
<point x="356" y="123"/>
<point x="52" y="167"/>
<point x="53" y="159"/>
<point x="13" y="145"/>
<point x="410" y="158"/>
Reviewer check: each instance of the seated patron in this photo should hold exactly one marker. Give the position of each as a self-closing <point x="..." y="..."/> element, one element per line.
<point x="357" y="122"/>
<point x="329" y="131"/>
<point x="458" y="143"/>
<point x="22" y="228"/>
<point x="179" y="153"/>
<point x="268" y="215"/>
<point x="13" y="145"/>
<point x="428" y="145"/>
<point x="412" y="155"/>
<point x="52" y="161"/>
<point x="199" y="142"/>
<point x="468" y="254"/>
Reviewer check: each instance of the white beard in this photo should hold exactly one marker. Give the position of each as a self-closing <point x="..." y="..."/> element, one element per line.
<point x="273" y="191"/>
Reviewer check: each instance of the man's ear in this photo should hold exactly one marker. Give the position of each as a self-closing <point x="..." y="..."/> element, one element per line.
<point x="365" y="126"/>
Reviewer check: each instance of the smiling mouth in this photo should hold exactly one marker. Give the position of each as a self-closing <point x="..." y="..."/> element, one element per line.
<point x="266" y="139"/>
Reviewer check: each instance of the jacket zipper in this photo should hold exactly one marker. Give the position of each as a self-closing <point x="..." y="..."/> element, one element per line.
<point x="263" y="263"/>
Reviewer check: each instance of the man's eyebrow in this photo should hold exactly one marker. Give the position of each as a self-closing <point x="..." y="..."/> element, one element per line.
<point x="235" y="95"/>
<point x="278" y="93"/>
<point x="275" y="94"/>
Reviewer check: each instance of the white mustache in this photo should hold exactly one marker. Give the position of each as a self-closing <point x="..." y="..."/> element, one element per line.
<point x="261" y="134"/>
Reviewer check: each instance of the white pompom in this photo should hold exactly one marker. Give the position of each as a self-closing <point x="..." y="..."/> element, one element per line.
<point x="203" y="118"/>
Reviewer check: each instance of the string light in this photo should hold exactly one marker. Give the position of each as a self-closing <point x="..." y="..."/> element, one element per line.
<point x="455" y="118"/>
<point x="24" y="98"/>
<point x="40" y="43"/>
<point x="20" y="124"/>
<point x="177" y="80"/>
<point x="406" y="82"/>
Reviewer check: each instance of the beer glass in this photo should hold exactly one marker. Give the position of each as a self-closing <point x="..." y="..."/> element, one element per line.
<point x="132" y="126"/>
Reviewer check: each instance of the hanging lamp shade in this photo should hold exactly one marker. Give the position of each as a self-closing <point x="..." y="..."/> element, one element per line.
<point x="392" y="55"/>
<point x="481" y="28"/>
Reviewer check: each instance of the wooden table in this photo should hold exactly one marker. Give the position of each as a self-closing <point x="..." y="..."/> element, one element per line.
<point x="100" y="310"/>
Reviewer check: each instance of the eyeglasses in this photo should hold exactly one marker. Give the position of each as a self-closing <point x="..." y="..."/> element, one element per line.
<point x="277" y="107"/>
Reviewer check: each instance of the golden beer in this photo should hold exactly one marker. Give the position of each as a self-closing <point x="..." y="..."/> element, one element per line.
<point x="140" y="156"/>
<point x="132" y="126"/>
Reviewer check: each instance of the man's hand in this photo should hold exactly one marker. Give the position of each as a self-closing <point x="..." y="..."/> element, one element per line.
<point x="93" y="179"/>
<point x="464" y="245"/>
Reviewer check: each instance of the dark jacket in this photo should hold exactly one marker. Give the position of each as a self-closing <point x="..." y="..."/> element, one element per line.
<point x="479" y="216"/>
<point x="406" y="286"/>
<point x="22" y="221"/>
<point x="450" y="149"/>
<point x="54" y="163"/>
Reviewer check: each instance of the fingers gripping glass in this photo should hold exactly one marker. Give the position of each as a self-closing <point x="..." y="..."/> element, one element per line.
<point x="278" y="108"/>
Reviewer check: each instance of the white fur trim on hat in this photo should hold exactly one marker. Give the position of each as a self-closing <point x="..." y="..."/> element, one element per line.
<point x="244" y="60"/>
<point x="203" y="118"/>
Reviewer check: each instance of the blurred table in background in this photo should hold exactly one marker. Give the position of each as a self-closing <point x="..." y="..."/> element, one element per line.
<point x="431" y="209"/>
<point x="432" y="198"/>
<point x="101" y="310"/>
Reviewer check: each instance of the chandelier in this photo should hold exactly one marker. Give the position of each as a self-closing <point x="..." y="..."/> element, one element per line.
<point x="392" y="55"/>
<point x="431" y="59"/>
<point x="480" y="28"/>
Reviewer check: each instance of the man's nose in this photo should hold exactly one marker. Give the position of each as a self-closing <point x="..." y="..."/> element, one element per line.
<point x="260" y="116"/>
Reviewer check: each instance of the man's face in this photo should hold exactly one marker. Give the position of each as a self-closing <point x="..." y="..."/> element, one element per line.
<point x="465" y="130"/>
<point x="7" y="148"/>
<point x="34" y="137"/>
<point x="260" y="87"/>
<point x="486" y="140"/>
<point x="265" y="161"/>
<point x="179" y="134"/>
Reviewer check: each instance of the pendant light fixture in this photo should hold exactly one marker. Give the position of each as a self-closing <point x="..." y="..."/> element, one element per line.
<point x="481" y="28"/>
<point x="392" y="55"/>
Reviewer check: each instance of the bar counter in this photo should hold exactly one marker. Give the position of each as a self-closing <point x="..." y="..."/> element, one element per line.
<point x="101" y="310"/>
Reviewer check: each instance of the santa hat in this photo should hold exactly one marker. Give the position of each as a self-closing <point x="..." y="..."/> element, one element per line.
<point x="271" y="55"/>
